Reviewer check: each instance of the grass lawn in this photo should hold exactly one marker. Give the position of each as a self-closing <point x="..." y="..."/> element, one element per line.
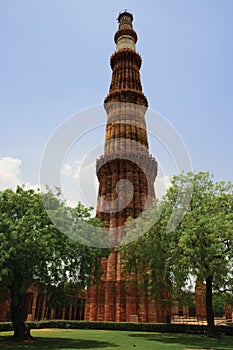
<point x="58" y="339"/>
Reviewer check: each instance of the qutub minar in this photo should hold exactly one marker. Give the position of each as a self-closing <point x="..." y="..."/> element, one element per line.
<point x="126" y="157"/>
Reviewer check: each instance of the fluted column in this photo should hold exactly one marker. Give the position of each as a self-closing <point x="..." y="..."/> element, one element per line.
<point x="110" y="291"/>
<point x="126" y="173"/>
<point x="101" y="292"/>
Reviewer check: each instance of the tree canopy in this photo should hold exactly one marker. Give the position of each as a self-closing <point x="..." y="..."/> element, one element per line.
<point x="200" y="247"/>
<point x="33" y="252"/>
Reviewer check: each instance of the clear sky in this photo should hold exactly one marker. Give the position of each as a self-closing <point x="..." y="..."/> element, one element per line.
<point x="55" y="62"/>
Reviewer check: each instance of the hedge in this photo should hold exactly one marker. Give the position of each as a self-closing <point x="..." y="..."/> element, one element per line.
<point x="121" y="326"/>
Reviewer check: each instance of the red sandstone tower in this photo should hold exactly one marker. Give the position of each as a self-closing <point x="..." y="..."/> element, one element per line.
<point x="126" y="174"/>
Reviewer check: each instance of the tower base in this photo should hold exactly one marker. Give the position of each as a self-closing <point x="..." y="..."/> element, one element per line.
<point x="116" y="300"/>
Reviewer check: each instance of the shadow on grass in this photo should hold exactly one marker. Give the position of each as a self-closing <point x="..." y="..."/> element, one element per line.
<point x="189" y="340"/>
<point x="42" y="343"/>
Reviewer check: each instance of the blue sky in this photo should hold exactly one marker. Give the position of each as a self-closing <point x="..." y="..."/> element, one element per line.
<point x="55" y="62"/>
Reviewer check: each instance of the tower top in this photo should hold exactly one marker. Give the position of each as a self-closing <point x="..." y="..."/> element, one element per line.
<point x="125" y="37"/>
<point x="125" y="17"/>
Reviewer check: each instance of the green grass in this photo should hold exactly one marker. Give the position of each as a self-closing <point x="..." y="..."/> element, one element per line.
<point x="57" y="339"/>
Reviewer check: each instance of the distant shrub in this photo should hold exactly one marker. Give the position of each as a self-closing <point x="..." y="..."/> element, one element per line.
<point x="121" y="326"/>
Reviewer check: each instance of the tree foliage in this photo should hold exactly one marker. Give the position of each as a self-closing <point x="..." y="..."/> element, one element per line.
<point x="199" y="247"/>
<point x="33" y="252"/>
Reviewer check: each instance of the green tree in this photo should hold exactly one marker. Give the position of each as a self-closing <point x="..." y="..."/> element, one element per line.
<point x="220" y="300"/>
<point x="203" y="242"/>
<point x="178" y="249"/>
<point x="33" y="252"/>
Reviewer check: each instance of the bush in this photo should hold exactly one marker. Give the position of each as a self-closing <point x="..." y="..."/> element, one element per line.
<point x="6" y="326"/>
<point x="121" y="326"/>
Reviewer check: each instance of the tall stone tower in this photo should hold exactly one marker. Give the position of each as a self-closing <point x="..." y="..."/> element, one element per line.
<point x="126" y="174"/>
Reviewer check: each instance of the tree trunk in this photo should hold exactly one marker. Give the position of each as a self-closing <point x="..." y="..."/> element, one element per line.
<point x="211" y="329"/>
<point x="21" y="330"/>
